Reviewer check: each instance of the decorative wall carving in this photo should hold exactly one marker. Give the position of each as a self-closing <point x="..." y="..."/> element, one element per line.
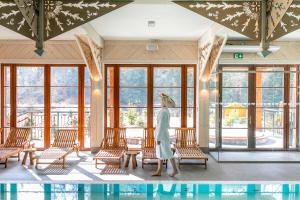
<point x="218" y="44"/>
<point x="59" y="15"/>
<point x="96" y="52"/>
<point x="205" y="46"/>
<point x="91" y="61"/>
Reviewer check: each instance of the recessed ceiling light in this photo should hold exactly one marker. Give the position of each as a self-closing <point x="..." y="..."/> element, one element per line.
<point x="151" y="23"/>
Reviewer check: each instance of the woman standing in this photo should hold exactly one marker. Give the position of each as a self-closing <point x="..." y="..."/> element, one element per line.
<point x="162" y="138"/>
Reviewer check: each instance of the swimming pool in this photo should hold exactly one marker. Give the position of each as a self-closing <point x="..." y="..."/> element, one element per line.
<point x="149" y="191"/>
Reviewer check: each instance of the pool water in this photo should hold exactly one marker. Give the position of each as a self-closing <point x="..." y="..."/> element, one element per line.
<point x="149" y="191"/>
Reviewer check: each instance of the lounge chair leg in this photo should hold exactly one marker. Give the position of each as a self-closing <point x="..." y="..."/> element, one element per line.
<point x="63" y="163"/>
<point x="143" y="163"/>
<point x="5" y="164"/>
<point x="19" y="157"/>
<point x="36" y="163"/>
<point x="178" y="163"/>
<point x="77" y="152"/>
<point x="205" y="164"/>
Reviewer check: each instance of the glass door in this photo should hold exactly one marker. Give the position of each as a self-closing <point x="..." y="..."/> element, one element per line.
<point x="270" y="107"/>
<point x="234" y="108"/>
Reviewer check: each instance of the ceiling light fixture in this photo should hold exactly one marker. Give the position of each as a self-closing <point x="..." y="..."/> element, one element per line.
<point x="248" y="49"/>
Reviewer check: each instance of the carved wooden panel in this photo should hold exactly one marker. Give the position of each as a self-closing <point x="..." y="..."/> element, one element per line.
<point x="240" y="16"/>
<point x="11" y="17"/>
<point x="60" y="15"/>
<point x="276" y="10"/>
<point x="88" y="58"/>
<point x="205" y="46"/>
<point x="96" y="53"/>
<point x="245" y="16"/>
<point x="289" y="22"/>
<point x="64" y="15"/>
<point x="28" y="10"/>
<point x="218" y="44"/>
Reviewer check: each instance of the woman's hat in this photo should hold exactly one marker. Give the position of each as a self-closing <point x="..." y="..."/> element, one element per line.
<point x="167" y="101"/>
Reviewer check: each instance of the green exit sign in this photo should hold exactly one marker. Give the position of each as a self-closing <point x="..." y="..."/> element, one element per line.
<point x="238" y="55"/>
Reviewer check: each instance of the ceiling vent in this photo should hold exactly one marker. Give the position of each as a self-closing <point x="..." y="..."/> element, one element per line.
<point x="151" y="24"/>
<point x="152" y="46"/>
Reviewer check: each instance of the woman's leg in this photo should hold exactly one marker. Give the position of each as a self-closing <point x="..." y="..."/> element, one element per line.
<point x="175" y="170"/>
<point x="159" y="168"/>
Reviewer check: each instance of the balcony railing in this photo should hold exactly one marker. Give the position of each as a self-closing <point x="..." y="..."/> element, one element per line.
<point x="58" y="119"/>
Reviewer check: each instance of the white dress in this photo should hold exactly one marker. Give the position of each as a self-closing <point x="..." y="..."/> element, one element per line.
<point x="163" y="151"/>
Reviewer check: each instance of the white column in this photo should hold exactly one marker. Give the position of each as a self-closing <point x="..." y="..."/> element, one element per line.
<point x="202" y="117"/>
<point x="97" y="114"/>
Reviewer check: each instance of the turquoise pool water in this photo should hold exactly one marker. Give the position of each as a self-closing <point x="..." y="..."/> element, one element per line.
<point x="149" y="191"/>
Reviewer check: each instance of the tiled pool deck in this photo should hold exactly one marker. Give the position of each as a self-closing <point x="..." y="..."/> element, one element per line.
<point x="82" y="170"/>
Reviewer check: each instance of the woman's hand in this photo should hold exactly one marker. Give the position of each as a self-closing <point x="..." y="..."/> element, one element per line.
<point x="158" y="142"/>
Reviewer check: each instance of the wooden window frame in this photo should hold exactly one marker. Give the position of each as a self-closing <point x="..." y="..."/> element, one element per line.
<point x="2" y="101"/>
<point x="252" y="109"/>
<point x="47" y="98"/>
<point x="150" y="87"/>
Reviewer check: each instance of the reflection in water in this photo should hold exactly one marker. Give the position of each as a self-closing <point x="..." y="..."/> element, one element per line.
<point x="149" y="191"/>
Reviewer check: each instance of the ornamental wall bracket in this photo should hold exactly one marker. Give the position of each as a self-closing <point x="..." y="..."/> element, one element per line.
<point x="41" y="20"/>
<point x="259" y="20"/>
<point x="91" y="53"/>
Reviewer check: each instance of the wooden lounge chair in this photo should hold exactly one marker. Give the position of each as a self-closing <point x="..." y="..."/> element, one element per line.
<point x="63" y="145"/>
<point x="148" y="147"/>
<point x="113" y="147"/>
<point x="186" y="146"/>
<point x="17" y="140"/>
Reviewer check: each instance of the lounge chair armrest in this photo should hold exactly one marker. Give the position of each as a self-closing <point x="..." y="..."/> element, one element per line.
<point x="102" y="143"/>
<point x="1" y="145"/>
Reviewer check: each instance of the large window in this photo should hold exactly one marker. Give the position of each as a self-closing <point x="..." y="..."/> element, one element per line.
<point x="87" y="108"/>
<point x="46" y="98"/>
<point x="259" y="107"/>
<point x="168" y="81"/>
<point x="5" y="99"/>
<point x="30" y="101"/>
<point x="133" y="101"/>
<point x="64" y="98"/>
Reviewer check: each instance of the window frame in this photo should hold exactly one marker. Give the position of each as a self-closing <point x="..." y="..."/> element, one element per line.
<point x="47" y="98"/>
<point x="150" y="90"/>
